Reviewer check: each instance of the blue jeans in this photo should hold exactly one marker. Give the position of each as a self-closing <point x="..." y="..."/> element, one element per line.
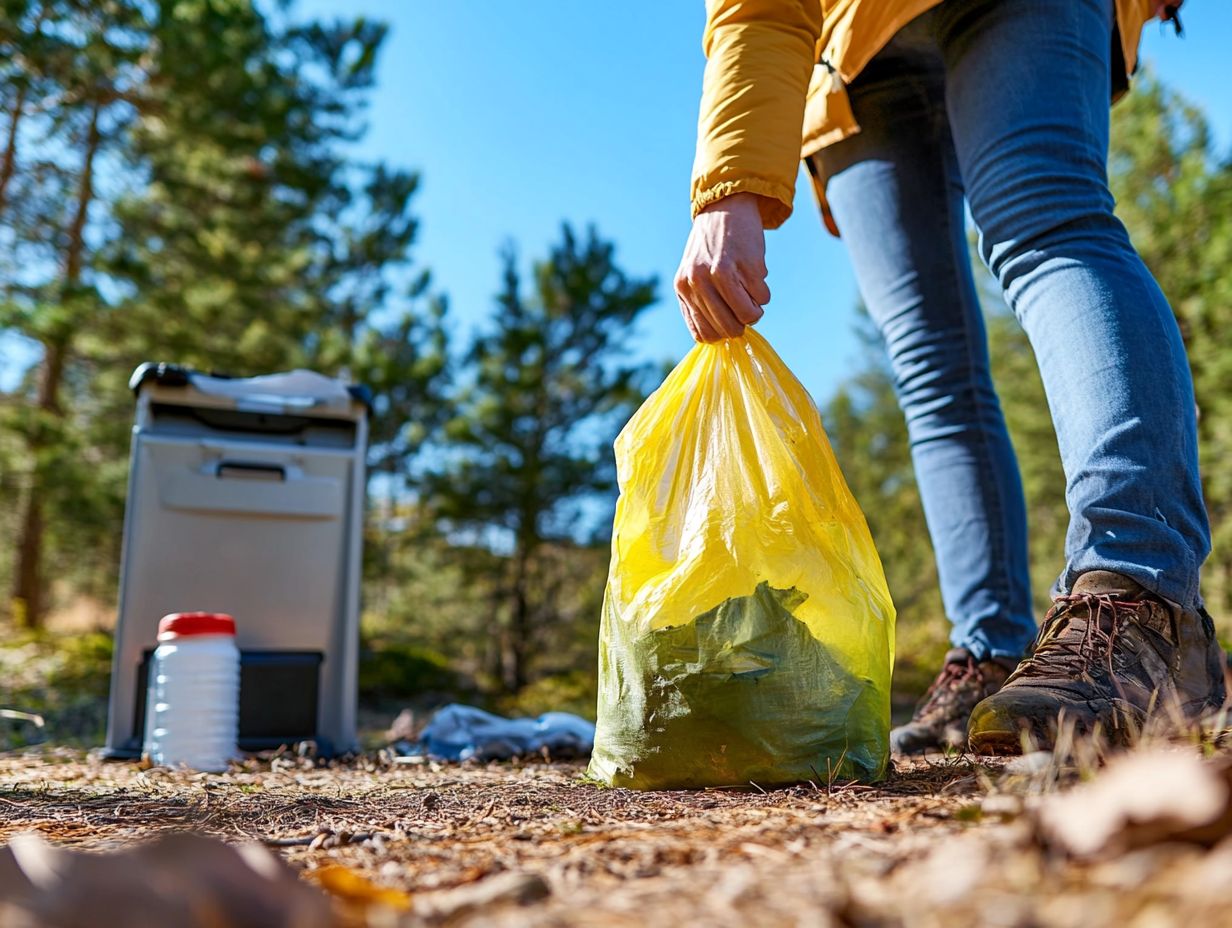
<point x="1006" y="102"/>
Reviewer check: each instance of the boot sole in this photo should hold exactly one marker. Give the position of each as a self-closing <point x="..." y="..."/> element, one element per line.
<point x="999" y="742"/>
<point x="996" y="743"/>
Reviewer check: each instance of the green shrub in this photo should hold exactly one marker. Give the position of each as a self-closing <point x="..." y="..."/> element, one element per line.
<point x="392" y="671"/>
<point x="575" y="691"/>
<point x="63" y="678"/>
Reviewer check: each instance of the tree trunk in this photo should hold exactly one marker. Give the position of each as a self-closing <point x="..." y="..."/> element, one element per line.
<point x="27" y="605"/>
<point x="8" y="161"/>
<point x="519" y="624"/>
<point x="28" y="586"/>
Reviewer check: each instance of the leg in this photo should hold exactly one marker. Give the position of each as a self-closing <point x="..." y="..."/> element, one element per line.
<point x="1027" y="95"/>
<point x="895" y="193"/>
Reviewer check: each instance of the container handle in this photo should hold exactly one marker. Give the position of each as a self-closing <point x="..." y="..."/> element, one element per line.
<point x="250" y="470"/>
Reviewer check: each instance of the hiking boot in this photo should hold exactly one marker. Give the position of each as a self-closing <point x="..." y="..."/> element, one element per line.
<point x="1109" y="654"/>
<point x="940" y="720"/>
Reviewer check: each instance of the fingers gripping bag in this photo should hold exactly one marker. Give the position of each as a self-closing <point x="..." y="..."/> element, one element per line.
<point x="747" y="632"/>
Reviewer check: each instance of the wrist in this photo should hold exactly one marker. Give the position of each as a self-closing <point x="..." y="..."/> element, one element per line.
<point x="741" y="202"/>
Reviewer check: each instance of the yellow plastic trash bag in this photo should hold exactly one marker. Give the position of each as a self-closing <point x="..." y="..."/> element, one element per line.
<point x="747" y="632"/>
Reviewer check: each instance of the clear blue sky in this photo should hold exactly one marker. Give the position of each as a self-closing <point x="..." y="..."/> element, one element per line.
<point x="521" y="115"/>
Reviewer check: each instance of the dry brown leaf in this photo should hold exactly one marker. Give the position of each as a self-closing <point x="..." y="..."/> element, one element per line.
<point x="179" y="879"/>
<point x="357" y="890"/>
<point x="1140" y="799"/>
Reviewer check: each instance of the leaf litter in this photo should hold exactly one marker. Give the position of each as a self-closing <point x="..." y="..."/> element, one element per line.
<point x="945" y="841"/>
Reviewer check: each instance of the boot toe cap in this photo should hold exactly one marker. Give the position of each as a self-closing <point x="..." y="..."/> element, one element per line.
<point x="1019" y="716"/>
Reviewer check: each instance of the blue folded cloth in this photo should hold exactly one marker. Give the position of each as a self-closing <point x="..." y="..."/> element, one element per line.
<point x="459" y="732"/>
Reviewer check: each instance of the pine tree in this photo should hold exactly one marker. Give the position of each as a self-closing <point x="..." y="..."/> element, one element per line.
<point x="530" y="447"/>
<point x="209" y="217"/>
<point x="84" y="62"/>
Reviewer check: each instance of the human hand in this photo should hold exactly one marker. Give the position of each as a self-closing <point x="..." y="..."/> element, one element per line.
<point x="721" y="281"/>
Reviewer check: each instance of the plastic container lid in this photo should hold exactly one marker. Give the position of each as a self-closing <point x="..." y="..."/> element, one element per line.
<point x="187" y="624"/>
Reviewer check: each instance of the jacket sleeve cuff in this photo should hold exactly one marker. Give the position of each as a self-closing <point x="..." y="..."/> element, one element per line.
<point x="774" y="199"/>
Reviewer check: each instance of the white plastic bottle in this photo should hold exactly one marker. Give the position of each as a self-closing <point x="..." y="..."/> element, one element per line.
<point x="192" y="708"/>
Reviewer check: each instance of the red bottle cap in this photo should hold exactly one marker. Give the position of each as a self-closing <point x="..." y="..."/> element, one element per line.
<point x="186" y="624"/>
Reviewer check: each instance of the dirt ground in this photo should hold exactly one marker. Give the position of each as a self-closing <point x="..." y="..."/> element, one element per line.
<point x="943" y="842"/>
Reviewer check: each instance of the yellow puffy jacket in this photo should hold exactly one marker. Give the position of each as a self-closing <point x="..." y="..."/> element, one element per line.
<point x="768" y="100"/>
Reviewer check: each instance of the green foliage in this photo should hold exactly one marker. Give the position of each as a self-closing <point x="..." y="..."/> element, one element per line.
<point x="422" y="590"/>
<point x="69" y="87"/>
<point x="182" y="193"/>
<point x="393" y="672"/>
<point x="406" y="366"/>
<point x="530" y="445"/>
<point x="573" y="691"/>
<point x="545" y="374"/>
<point x="425" y="590"/>
<point x="63" y="678"/>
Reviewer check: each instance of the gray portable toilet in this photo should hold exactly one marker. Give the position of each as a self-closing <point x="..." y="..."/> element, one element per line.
<point x="246" y="496"/>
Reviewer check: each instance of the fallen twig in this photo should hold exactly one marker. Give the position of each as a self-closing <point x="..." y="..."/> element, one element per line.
<point x="322" y="839"/>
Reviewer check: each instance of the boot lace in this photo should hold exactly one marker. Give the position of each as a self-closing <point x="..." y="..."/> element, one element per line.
<point x="945" y="687"/>
<point x="1075" y="654"/>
